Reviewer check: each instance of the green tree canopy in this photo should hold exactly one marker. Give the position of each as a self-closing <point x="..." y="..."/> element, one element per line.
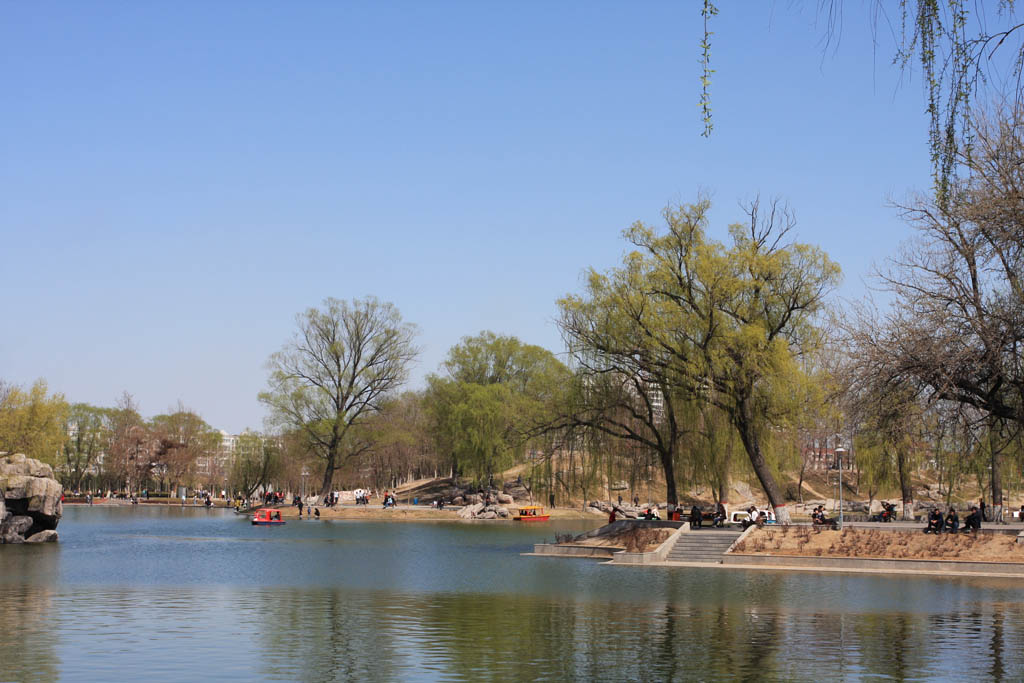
<point x="727" y="323"/>
<point x="32" y="421"/>
<point x="495" y="388"/>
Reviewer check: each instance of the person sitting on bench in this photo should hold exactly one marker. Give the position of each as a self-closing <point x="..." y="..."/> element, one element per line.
<point x="751" y="517"/>
<point x="952" y="520"/>
<point x="719" y="518"/>
<point x="973" y="521"/>
<point x="695" y="517"/>
<point x="818" y="518"/>
<point x="935" y="522"/>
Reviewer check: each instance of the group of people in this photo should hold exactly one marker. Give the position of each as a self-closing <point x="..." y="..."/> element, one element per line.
<point x="950" y="524"/>
<point x="754" y="516"/>
<point x="389" y="500"/>
<point x="717" y="517"/>
<point x="818" y="518"/>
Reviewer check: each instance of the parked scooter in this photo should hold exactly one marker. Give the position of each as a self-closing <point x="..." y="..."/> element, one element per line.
<point x="888" y="513"/>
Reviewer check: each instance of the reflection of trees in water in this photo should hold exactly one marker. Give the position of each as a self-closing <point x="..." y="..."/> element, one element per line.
<point x="29" y="642"/>
<point x="323" y="635"/>
<point x="328" y="634"/>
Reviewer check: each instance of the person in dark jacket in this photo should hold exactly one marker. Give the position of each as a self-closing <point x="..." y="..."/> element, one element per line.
<point x="952" y="521"/>
<point x="973" y="521"/>
<point x="935" y="522"/>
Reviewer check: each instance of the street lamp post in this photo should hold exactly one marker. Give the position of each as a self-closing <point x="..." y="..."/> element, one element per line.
<point x="840" y="452"/>
<point x="305" y="473"/>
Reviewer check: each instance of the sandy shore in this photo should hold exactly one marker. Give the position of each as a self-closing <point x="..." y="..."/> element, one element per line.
<point x="411" y="513"/>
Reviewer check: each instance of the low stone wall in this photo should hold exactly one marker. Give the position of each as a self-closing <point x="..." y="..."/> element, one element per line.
<point x="950" y="567"/>
<point x="617" y="554"/>
<point x="585" y="551"/>
<point x="657" y="555"/>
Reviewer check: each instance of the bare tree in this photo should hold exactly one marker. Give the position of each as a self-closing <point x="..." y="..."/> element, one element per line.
<point x="345" y="359"/>
<point x="955" y="330"/>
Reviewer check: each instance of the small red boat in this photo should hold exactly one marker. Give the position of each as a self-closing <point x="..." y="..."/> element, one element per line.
<point x="531" y="513"/>
<point x="267" y="517"/>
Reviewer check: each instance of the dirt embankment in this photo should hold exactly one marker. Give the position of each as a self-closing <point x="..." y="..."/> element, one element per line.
<point x="875" y="543"/>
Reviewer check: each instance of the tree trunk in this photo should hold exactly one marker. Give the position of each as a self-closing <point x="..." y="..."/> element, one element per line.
<point x="906" y="490"/>
<point x="748" y="435"/>
<point x="800" y="484"/>
<point x="669" y="468"/>
<point x="997" y="479"/>
<point x="325" y="489"/>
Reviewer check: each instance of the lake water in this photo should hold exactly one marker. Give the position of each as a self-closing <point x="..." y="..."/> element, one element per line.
<point x="173" y="594"/>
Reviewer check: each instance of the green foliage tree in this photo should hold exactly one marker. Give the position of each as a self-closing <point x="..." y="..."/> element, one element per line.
<point x="88" y="430"/>
<point x="622" y="384"/>
<point x="730" y="321"/>
<point x="32" y="421"/>
<point x="494" y="393"/>
<point x="345" y="359"/>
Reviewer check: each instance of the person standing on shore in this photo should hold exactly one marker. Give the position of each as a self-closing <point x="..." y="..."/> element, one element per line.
<point x="981" y="506"/>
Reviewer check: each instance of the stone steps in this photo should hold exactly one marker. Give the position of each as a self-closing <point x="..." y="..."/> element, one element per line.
<point x="702" y="545"/>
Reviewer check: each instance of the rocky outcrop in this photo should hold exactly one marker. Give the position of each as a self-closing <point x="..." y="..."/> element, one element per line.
<point x="30" y="501"/>
<point x="481" y="511"/>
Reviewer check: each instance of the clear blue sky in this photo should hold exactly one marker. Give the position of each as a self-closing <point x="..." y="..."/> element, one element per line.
<point x="180" y="179"/>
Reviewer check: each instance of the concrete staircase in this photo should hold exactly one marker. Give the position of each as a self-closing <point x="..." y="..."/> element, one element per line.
<point x="702" y="545"/>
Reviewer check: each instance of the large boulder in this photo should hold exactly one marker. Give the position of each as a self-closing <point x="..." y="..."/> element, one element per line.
<point x="470" y="511"/>
<point x="30" y="499"/>
<point x="19" y="524"/>
<point x="505" y="499"/>
<point x="48" y="536"/>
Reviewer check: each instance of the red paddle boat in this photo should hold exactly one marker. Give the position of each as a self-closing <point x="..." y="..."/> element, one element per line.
<point x="267" y="517"/>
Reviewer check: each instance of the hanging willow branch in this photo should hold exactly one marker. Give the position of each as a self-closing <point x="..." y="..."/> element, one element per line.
<point x="709" y="10"/>
<point x="956" y="51"/>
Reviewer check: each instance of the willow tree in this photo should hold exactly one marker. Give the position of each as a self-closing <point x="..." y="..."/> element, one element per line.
<point x="88" y="436"/>
<point x="731" y="320"/>
<point x="32" y="421"/>
<point x="493" y="392"/>
<point x="622" y="380"/>
<point x="344" y="360"/>
<point x="964" y="50"/>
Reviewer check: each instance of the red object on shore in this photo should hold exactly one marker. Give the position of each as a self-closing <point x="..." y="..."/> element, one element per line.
<point x="267" y="517"/>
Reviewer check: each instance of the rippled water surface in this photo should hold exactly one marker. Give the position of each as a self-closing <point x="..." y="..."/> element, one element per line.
<point x="173" y="594"/>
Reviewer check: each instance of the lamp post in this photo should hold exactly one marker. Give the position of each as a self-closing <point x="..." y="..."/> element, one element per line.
<point x="305" y="473"/>
<point x="840" y="452"/>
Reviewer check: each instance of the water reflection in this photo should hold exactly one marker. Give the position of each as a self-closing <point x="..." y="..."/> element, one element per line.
<point x="372" y="602"/>
<point x="27" y="614"/>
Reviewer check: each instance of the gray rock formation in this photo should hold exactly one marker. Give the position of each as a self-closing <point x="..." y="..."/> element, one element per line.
<point x="30" y="500"/>
<point x="48" y="536"/>
<point x="481" y="511"/>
